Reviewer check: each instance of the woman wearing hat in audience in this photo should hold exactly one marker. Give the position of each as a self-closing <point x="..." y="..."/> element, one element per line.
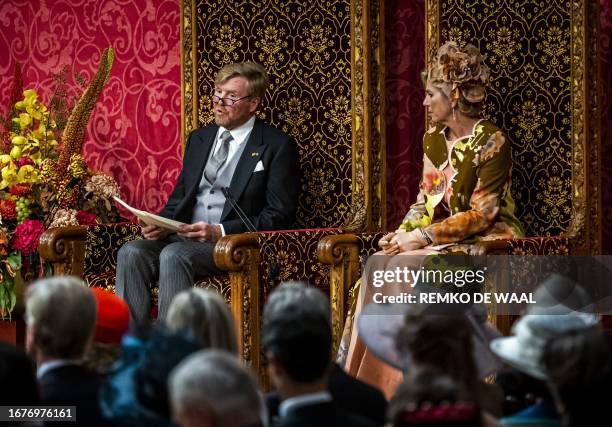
<point x="452" y="340"/>
<point x="465" y="186"/>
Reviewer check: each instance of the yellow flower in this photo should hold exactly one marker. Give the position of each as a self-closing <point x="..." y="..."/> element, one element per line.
<point x="9" y="176"/>
<point x="32" y="106"/>
<point x="18" y="140"/>
<point x="25" y="120"/>
<point x="16" y="152"/>
<point x="30" y="94"/>
<point x="4" y="159"/>
<point x="28" y="174"/>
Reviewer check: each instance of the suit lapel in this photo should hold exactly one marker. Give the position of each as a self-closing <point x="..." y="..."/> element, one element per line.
<point x="201" y="151"/>
<point x="252" y="154"/>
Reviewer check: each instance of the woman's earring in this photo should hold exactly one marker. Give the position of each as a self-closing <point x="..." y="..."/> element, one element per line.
<point x="454" y="118"/>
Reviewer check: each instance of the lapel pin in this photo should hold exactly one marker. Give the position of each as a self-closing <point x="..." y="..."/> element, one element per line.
<point x="254" y="154"/>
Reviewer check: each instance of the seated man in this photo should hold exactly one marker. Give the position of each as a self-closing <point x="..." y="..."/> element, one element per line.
<point x="297" y="342"/>
<point x="349" y="394"/>
<point x="60" y="324"/>
<point x="255" y="161"/>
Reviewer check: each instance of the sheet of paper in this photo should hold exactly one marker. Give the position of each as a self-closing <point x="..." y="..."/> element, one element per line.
<point x="151" y="219"/>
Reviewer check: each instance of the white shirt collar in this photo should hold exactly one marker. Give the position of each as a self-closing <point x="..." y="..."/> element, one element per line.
<point x="54" y="364"/>
<point x="239" y="133"/>
<point x="290" y="404"/>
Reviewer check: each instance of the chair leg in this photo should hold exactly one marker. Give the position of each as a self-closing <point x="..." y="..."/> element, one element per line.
<point x="239" y="254"/>
<point x="341" y="253"/>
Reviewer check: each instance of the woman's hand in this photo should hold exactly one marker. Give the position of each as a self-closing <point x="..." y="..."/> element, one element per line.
<point x="407" y="241"/>
<point x="385" y="244"/>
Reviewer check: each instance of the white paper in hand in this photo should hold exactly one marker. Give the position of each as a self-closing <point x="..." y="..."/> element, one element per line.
<point x="151" y="219"/>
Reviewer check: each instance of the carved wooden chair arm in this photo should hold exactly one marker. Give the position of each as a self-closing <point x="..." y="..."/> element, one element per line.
<point x="64" y="247"/>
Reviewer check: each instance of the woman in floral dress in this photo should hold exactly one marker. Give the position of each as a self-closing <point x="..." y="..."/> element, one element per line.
<point x="464" y="194"/>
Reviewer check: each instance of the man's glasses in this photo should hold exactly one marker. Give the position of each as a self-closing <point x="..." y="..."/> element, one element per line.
<point x="227" y="102"/>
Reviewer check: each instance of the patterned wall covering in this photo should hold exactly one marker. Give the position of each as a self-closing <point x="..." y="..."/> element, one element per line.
<point x="405" y="114"/>
<point x="305" y="47"/>
<point x="527" y="43"/>
<point x="133" y="133"/>
<point x="605" y="57"/>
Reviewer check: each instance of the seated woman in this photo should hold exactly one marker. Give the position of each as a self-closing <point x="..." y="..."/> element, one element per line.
<point x="465" y="187"/>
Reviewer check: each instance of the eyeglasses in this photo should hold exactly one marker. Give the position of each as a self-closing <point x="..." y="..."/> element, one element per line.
<point x="227" y="102"/>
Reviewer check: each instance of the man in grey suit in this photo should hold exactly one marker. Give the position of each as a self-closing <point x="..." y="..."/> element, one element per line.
<point x="257" y="162"/>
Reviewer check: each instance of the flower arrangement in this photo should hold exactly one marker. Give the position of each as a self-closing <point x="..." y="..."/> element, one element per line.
<point x="44" y="180"/>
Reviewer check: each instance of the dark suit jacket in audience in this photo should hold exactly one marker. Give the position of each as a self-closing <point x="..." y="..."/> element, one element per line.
<point x="72" y="385"/>
<point x="349" y="394"/>
<point x="17" y="378"/>
<point x="326" y="414"/>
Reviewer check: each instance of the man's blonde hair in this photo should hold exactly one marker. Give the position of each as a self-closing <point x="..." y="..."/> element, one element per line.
<point x="255" y="74"/>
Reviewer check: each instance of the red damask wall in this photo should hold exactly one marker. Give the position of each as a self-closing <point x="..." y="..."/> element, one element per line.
<point x="405" y="114"/>
<point x="134" y="130"/>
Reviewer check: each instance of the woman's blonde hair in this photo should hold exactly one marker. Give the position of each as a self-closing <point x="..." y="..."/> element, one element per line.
<point x="205" y="315"/>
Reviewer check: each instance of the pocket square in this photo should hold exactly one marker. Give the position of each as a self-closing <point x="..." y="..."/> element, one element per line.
<point x="259" y="167"/>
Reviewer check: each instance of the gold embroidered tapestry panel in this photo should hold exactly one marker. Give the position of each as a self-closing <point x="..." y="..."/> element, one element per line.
<point x="306" y="48"/>
<point x="527" y="43"/>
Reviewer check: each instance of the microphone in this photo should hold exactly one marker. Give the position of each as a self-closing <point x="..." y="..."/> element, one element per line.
<point x="273" y="267"/>
<point x="245" y="219"/>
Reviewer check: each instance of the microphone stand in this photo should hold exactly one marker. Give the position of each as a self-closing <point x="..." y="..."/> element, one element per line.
<point x="273" y="267"/>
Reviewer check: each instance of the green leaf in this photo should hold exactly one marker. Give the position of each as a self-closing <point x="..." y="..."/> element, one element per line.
<point x="14" y="260"/>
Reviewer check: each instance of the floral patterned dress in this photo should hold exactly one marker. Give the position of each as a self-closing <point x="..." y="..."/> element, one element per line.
<point x="475" y="204"/>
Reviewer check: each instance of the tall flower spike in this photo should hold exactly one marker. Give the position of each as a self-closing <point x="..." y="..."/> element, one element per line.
<point x="74" y="133"/>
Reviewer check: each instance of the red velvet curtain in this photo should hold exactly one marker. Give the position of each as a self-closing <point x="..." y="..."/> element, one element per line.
<point x="133" y="131"/>
<point x="405" y="114"/>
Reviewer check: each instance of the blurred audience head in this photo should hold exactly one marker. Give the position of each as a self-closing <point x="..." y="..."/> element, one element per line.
<point x="525" y="348"/>
<point x="292" y="293"/>
<point x="578" y="365"/>
<point x="213" y="388"/>
<point x="427" y="397"/>
<point x="113" y="318"/>
<point x="204" y="315"/>
<point x="443" y="342"/>
<point x="112" y="322"/>
<point x="60" y="318"/>
<point x="297" y="340"/>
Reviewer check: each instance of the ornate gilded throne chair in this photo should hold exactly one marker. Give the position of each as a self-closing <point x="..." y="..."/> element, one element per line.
<point x="547" y="103"/>
<point x="325" y="91"/>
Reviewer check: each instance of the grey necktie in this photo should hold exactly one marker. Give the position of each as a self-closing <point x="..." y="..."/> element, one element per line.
<point x="219" y="157"/>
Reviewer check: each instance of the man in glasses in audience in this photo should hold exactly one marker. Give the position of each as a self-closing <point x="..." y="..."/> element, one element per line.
<point x="238" y="175"/>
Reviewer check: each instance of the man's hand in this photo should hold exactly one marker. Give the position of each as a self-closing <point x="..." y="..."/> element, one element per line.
<point x="152" y="232"/>
<point x="201" y="231"/>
